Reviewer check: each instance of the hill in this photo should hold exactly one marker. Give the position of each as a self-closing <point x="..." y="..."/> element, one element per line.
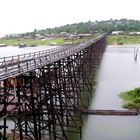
<point x="127" y="25"/>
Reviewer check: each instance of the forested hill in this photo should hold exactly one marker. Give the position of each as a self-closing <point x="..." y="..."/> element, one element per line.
<point x="97" y="26"/>
<point x="91" y="27"/>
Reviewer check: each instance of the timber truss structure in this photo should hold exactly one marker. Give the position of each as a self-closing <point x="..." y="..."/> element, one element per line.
<point x="41" y="92"/>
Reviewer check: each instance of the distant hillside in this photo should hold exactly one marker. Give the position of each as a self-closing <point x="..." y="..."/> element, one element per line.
<point x="97" y="26"/>
<point x="91" y="27"/>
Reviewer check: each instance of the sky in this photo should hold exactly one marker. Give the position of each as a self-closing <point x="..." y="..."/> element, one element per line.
<point x="18" y="16"/>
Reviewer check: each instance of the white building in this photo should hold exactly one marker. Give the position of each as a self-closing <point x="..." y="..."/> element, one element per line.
<point x="117" y="32"/>
<point x="134" y="33"/>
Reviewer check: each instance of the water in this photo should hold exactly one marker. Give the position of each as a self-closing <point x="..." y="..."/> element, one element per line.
<point x="118" y="72"/>
<point x="15" y="50"/>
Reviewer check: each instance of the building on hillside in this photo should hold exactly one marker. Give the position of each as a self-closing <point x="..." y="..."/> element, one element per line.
<point x="84" y="35"/>
<point x="117" y="32"/>
<point x="12" y="36"/>
<point x="61" y="34"/>
<point x="39" y="36"/>
<point x="134" y="33"/>
<point x="138" y="33"/>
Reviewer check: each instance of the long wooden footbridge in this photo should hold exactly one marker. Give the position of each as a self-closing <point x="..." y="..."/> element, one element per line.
<point x="40" y="92"/>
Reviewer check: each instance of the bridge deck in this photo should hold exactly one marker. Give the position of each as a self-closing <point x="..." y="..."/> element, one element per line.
<point x="16" y="65"/>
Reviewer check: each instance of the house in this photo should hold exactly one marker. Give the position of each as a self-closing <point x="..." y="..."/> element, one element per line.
<point x="84" y="35"/>
<point x="134" y="33"/>
<point x="39" y="36"/>
<point x="138" y="33"/>
<point x="117" y="32"/>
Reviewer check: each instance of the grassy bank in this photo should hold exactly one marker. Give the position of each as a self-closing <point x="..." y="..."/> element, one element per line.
<point x="131" y="98"/>
<point x="125" y="39"/>
<point x="30" y="41"/>
<point x="15" y="42"/>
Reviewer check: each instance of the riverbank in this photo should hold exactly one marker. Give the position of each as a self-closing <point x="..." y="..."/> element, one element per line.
<point x="48" y="41"/>
<point x="51" y="41"/>
<point x="131" y="98"/>
<point x="123" y="39"/>
<point x="111" y="40"/>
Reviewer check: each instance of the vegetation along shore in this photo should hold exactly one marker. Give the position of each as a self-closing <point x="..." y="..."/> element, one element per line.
<point x="131" y="98"/>
<point x="117" y="39"/>
<point x="62" y="40"/>
<point x="123" y="39"/>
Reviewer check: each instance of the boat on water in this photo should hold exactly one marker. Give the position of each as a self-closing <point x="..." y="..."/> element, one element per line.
<point x="22" y="45"/>
<point x="33" y="45"/>
<point x="3" y="45"/>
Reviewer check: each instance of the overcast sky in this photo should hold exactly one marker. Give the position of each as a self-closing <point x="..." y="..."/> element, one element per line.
<point x="18" y="16"/>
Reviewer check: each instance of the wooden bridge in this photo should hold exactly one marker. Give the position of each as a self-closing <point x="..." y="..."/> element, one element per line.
<point x="40" y="92"/>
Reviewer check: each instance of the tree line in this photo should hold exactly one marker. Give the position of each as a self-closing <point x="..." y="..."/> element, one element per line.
<point x="127" y="25"/>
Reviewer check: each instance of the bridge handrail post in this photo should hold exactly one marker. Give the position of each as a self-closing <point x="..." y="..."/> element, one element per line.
<point x="19" y="63"/>
<point x="29" y="55"/>
<point x="4" y="63"/>
<point x="34" y="60"/>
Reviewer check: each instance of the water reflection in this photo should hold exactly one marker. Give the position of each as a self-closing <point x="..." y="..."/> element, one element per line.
<point x="118" y="72"/>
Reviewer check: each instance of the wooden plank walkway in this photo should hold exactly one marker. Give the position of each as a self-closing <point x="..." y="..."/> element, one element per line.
<point x="109" y="112"/>
<point x="16" y="65"/>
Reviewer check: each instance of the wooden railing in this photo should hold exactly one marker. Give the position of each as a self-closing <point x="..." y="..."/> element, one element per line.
<point x="18" y="64"/>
